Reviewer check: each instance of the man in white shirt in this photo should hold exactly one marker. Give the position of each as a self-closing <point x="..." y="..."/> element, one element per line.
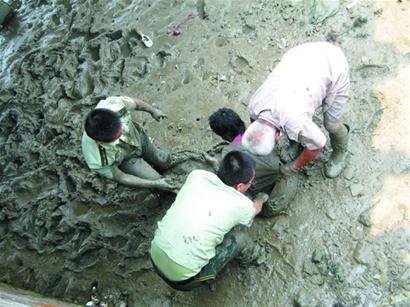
<point x="203" y="229"/>
<point x="309" y="76"/>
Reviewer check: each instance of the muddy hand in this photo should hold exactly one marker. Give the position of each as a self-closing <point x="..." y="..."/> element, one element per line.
<point x="157" y="114"/>
<point x="261" y="197"/>
<point x="162" y="184"/>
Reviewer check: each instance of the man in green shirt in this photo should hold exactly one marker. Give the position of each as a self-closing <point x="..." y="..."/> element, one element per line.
<point x="228" y="125"/>
<point x="201" y="231"/>
<point x="116" y="147"/>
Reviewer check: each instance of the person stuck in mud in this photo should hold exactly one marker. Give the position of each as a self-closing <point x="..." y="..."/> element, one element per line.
<point x="229" y="126"/>
<point x="204" y="228"/>
<point x="309" y="76"/>
<point x="116" y="147"/>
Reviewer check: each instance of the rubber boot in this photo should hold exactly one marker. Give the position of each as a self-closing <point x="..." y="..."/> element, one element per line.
<point x="339" y="139"/>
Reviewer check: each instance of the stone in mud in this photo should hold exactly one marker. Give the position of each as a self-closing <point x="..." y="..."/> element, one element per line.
<point x="348" y="173"/>
<point x="318" y="256"/>
<point x="305" y="299"/>
<point x="5" y="13"/>
<point x="356" y="189"/>
<point x="359" y="21"/>
<point x="309" y="267"/>
<point x="365" y="218"/>
<point x="405" y="280"/>
<point x="363" y="253"/>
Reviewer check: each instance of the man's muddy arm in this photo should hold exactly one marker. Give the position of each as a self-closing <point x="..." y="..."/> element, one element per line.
<point x="143" y="106"/>
<point x="137" y="182"/>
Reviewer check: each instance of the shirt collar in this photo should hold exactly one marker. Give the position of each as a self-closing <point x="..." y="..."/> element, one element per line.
<point x="238" y="138"/>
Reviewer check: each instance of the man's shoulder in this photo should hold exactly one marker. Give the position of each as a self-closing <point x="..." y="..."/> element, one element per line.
<point x="261" y="161"/>
<point x="115" y="103"/>
<point x="200" y="173"/>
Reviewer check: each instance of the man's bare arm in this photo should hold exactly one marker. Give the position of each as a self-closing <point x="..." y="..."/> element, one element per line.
<point x="137" y="182"/>
<point x="143" y="106"/>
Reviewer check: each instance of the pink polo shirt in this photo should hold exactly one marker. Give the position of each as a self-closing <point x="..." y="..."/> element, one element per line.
<point x="308" y="76"/>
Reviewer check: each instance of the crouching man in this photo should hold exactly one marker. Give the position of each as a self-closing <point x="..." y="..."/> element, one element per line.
<point x="116" y="147"/>
<point x="203" y="229"/>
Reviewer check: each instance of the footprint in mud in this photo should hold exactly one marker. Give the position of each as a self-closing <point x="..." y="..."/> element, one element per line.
<point x="160" y="58"/>
<point x="240" y="63"/>
<point x="87" y="260"/>
<point x="187" y="78"/>
<point x="135" y="68"/>
<point x="221" y="41"/>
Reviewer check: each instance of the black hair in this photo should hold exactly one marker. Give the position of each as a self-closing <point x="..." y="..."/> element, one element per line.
<point x="102" y="125"/>
<point x="226" y="123"/>
<point x="236" y="167"/>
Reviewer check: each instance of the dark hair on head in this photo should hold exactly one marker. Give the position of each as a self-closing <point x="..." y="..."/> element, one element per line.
<point x="236" y="167"/>
<point x="102" y="125"/>
<point x="226" y="123"/>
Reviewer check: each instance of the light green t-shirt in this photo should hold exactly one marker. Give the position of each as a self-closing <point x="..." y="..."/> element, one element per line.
<point x="204" y="210"/>
<point x="102" y="157"/>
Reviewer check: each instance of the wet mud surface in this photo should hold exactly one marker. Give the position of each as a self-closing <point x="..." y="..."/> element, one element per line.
<point x="64" y="229"/>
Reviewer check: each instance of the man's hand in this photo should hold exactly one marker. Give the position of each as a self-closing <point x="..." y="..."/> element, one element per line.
<point x="258" y="201"/>
<point x="157" y="114"/>
<point x="261" y="197"/>
<point x="162" y="184"/>
<point x="288" y="169"/>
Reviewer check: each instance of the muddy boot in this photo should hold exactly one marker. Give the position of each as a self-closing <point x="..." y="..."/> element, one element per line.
<point x="339" y="139"/>
<point x="252" y="254"/>
<point x="282" y="194"/>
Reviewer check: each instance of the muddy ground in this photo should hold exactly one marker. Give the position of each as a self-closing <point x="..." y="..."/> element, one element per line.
<point x="64" y="229"/>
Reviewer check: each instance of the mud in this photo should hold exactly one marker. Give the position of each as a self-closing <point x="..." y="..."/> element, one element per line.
<point x="64" y="229"/>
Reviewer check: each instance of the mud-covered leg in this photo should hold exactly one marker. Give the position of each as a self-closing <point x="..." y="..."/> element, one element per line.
<point x="339" y="139"/>
<point x="140" y="168"/>
<point x="157" y="157"/>
<point x="282" y="194"/>
<point x="185" y="155"/>
<point x="236" y="244"/>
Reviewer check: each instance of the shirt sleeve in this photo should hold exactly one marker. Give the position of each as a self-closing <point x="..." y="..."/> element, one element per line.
<point x="312" y="137"/>
<point x="307" y="133"/>
<point x="116" y="103"/>
<point x="248" y="214"/>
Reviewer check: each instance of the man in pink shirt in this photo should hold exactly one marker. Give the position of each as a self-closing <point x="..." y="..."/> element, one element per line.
<point x="309" y="76"/>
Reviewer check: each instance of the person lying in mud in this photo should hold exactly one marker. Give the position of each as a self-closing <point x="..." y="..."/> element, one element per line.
<point x="204" y="228"/>
<point x="229" y="126"/>
<point x="309" y="76"/>
<point x="116" y="147"/>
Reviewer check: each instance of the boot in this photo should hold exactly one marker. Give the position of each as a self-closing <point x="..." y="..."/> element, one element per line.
<point x="339" y="139"/>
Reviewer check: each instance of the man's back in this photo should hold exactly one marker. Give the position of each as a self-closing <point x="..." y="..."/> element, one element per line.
<point x="300" y="82"/>
<point x="203" y="212"/>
